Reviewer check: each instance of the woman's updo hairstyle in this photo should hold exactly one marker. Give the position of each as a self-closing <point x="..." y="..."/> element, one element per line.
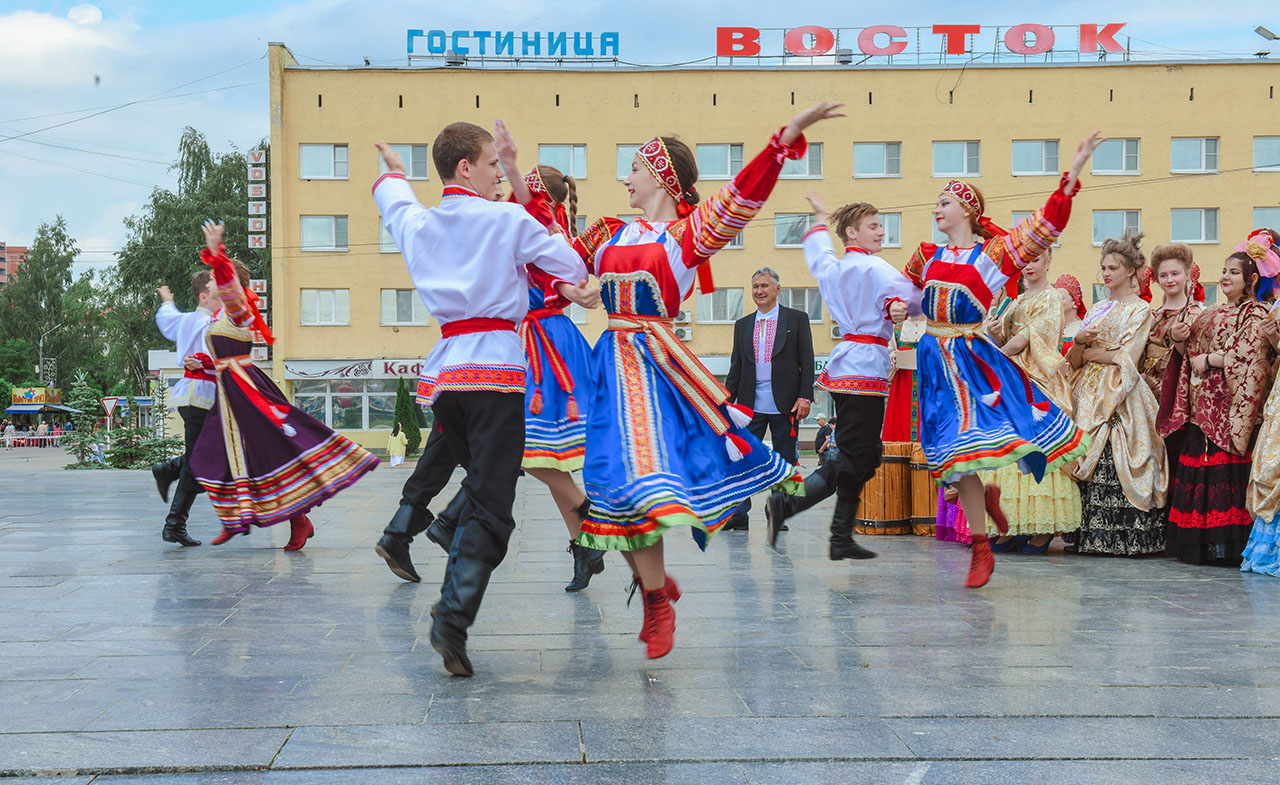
<point x="1129" y="249"/>
<point x="686" y="166"/>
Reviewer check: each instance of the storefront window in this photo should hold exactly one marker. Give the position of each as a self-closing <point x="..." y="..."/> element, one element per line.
<point x="348" y="404"/>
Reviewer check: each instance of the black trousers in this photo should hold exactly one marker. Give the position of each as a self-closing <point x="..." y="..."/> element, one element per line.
<point x="859" y="421"/>
<point x="483" y="432"/>
<point x="193" y="418"/>
<point x="785" y="443"/>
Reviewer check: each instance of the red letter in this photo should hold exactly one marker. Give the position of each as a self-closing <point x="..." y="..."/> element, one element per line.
<point x="867" y="40"/>
<point x="1016" y="39"/>
<point x="823" y="40"/>
<point x="737" y="42"/>
<point x="955" y="36"/>
<point x="1091" y="39"/>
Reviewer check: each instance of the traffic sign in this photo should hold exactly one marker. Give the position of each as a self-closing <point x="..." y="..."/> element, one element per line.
<point x="110" y="404"/>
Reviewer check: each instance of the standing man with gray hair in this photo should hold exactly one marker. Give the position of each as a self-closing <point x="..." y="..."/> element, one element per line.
<point x="771" y="371"/>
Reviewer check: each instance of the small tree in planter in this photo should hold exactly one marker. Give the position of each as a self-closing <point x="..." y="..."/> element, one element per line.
<point x="82" y="441"/>
<point x="407" y="416"/>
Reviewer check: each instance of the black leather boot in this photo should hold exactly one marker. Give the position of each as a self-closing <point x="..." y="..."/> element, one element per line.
<point x="842" y="544"/>
<point x="408" y="522"/>
<point x="445" y="525"/>
<point x="166" y="474"/>
<point x="460" y="599"/>
<point x="586" y="562"/>
<point x="780" y="506"/>
<point x="175" y="524"/>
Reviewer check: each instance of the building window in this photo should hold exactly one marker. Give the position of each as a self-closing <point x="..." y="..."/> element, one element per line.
<point x="718" y="161"/>
<point x="579" y="224"/>
<point x="1116" y="156"/>
<point x="322" y="161"/>
<point x="1100" y="293"/>
<point x="1266" y="153"/>
<point x="1199" y="154"/>
<point x="1266" y="218"/>
<point x="386" y="243"/>
<point x="892" y="223"/>
<point x="349" y="404"/>
<point x="1020" y="215"/>
<point x="804" y="299"/>
<point x="577" y="314"/>
<point x="1194" y="226"/>
<point x="570" y="159"/>
<point x="326" y="306"/>
<point x="415" y="160"/>
<point x="809" y="165"/>
<point x="956" y="159"/>
<point x="1112" y="224"/>
<point x="626" y="157"/>
<point x="403" y="306"/>
<point x="324" y="232"/>
<point x="877" y="159"/>
<point x="1035" y="157"/>
<point x="737" y="241"/>
<point x="723" y="306"/>
<point x="789" y="229"/>
<point x="1210" y="294"/>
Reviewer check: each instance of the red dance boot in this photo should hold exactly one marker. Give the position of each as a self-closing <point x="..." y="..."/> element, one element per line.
<point x="993" y="508"/>
<point x="224" y="535"/>
<point x="659" y="623"/>
<point x="300" y="530"/>
<point x="981" y="563"/>
<point x="673" y="593"/>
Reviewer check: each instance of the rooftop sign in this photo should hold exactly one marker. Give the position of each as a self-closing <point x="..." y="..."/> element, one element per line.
<point x="509" y="43"/>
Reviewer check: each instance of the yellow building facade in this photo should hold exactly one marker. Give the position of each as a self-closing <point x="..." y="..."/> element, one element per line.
<point x="1195" y="157"/>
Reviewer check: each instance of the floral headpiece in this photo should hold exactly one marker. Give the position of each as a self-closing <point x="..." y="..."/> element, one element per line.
<point x="967" y="196"/>
<point x="1260" y="248"/>
<point x="1071" y="286"/>
<point x="1197" y="289"/>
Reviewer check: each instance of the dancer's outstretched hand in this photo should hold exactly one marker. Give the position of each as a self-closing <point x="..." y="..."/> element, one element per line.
<point x="586" y="293"/>
<point x="392" y="159"/>
<point x="213" y="231"/>
<point x="506" y="147"/>
<point x="1083" y="152"/>
<point x="826" y="110"/>
<point x="819" y="206"/>
<point x="166" y="296"/>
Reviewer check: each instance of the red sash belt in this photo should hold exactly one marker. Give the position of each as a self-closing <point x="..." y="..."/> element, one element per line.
<point x="542" y="313"/>
<point x="480" y="324"/>
<point x="874" y="340"/>
<point x="198" y="375"/>
<point x="537" y="345"/>
<point x="235" y="366"/>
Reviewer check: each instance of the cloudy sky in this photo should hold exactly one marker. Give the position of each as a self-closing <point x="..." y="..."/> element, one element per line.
<point x="96" y="95"/>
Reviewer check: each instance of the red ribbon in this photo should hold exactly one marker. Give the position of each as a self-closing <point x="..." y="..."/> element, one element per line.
<point x="538" y="345"/>
<point x="874" y="340"/>
<point x="479" y="324"/>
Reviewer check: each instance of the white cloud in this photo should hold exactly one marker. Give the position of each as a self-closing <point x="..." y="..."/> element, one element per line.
<point x="85" y="14"/>
<point x="44" y="50"/>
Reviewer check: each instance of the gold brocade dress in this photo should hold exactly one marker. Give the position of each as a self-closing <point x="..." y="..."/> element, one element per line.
<point x="1124" y="474"/>
<point x="1262" y="553"/>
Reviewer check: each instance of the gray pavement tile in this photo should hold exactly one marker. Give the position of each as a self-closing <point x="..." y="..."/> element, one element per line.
<point x="1010" y="772"/>
<point x="754" y="738"/>
<point x="229" y="710"/>
<point x="444" y="744"/>
<point x="654" y="703"/>
<point x="28" y="668"/>
<point x="537" y="774"/>
<point x="34" y="753"/>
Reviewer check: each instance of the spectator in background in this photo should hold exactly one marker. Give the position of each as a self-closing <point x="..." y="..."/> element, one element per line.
<point x="820" y="440"/>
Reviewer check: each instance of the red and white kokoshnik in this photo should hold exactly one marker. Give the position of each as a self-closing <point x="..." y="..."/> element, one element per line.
<point x="658" y="162"/>
<point x="534" y="180"/>
<point x="966" y="195"/>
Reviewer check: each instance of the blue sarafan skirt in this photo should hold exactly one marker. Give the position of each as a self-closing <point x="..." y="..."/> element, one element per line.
<point x="654" y="462"/>
<point x="555" y="421"/>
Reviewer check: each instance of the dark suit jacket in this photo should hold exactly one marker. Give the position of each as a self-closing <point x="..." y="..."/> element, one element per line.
<point x="792" y="360"/>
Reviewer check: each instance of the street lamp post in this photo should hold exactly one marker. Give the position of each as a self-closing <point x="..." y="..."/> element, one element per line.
<point x="40" y="368"/>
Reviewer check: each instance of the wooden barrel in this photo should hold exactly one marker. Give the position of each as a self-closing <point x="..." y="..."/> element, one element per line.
<point x="924" y="494"/>
<point x="886" y="500"/>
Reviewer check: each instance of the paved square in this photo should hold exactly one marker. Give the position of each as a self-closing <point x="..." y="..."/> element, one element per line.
<point x="124" y="659"/>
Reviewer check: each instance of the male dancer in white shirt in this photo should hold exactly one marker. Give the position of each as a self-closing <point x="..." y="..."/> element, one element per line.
<point x="193" y="396"/>
<point x="866" y="296"/>
<point x="467" y="259"/>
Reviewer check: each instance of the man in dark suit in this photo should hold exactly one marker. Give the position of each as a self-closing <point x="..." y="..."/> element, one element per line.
<point x="771" y="371"/>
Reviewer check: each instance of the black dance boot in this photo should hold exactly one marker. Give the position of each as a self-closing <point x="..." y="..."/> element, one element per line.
<point x="445" y="525"/>
<point x="394" y="545"/>
<point x="586" y="561"/>
<point x="780" y="506"/>
<point x="842" y="544"/>
<point x="460" y="598"/>
<point x="166" y="474"/>
<point x="175" y="524"/>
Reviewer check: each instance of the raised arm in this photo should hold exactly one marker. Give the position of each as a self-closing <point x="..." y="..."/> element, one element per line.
<point x="234" y="300"/>
<point x="819" y="253"/>
<point x="401" y="211"/>
<point x="168" y="317"/>
<point x="555" y="258"/>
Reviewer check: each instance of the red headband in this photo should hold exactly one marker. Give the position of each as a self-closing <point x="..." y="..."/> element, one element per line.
<point x="534" y="180"/>
<point x="658" y="161"/>
<point x="967" y="196"/>
<point x="1071" y="286"/>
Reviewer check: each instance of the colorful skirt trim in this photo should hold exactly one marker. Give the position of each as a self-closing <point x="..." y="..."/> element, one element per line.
<point x="555" y="421"/>
<point x="1207" y="502"/>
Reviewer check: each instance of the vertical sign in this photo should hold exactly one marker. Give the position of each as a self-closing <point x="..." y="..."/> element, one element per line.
<point x="257" y="212"/>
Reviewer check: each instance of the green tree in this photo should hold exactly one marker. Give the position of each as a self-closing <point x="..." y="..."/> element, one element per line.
<point x="407" y="416"/>
<point x="18" y="363"/>
<point x="81" y="440"/>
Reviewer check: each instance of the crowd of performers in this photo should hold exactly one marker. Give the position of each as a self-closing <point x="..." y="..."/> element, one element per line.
<point x="1122" y="429"/>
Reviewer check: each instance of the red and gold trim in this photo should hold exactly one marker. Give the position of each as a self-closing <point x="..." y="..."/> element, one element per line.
<point x="658" y="161"/>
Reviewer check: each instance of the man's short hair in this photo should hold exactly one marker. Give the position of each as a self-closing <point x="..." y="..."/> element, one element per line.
<point x="456" y="142"/>
<point x="200" y="283"/>
<point x="851" y="215"/>
<point x="769" y="271"/>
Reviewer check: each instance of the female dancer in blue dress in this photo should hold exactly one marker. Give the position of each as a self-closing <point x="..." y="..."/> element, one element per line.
<point x="664" y="448"/>
<point x="977" y="409"/>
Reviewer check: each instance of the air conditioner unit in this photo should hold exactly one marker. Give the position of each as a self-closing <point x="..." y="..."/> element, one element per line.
<point x="684" y="333"/>
<point x="684" y="316"/>
<point x="835" y="332"/>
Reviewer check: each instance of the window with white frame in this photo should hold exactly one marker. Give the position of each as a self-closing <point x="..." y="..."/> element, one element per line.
<point x="804" y="299"/>
<point x="403" y="306"/>
<point x="626" y="157"/>
<point x="1035" y="157"/>
<point x="808" y="165"/>
<point x="723" y="306"/>
<point x="322" y="161"/>
<point x="718" y="161"/>
<point x="1210" y="293"/>
<point x="1020" y="215"/>
<point x="957" y="159"/>
<point x="324" y="233"/>
<point x="325" y="306"/>
<point x="1116" y="156"/>
<point x="892" y="223"/>
<point x="1198" y="225"/>
<point x="577" y="314"/>
<point x="415" y="157"/>
<point x="386" y="243"/>
<point x="789" y="229"/>
<point x="877" y="159"/>
<point x="348" y="404"/>
<point x="1113" y="224"/>
<point x="1266" y="153"/>
<point x="1266" y="218"/>
<point x="737" y="242"/>
<point x="571" y="159"/>
<point x="579" y="224"/>
<point x="1194" y="154"/>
